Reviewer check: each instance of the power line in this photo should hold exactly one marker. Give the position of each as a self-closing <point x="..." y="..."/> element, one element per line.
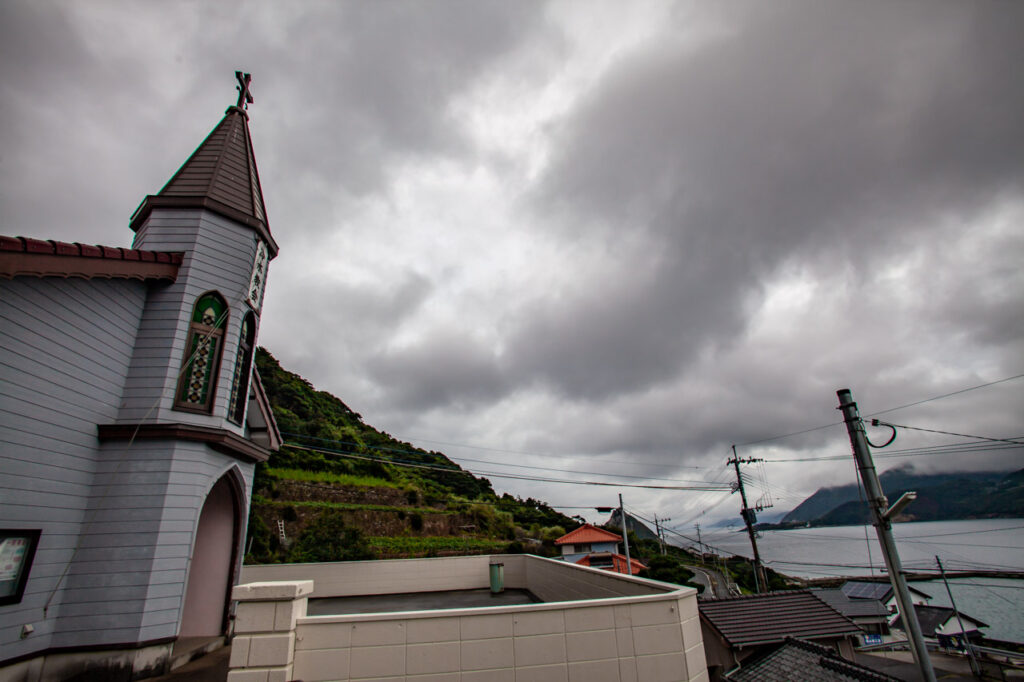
<point x="483" y="461"/>
<point x="969" y="532"/>
<point x="568" y="471"/>
<point x="492" y="474"/>
<point x="787" y="435"/>
<point x="875" y="414"/>
<point x="549" y="454"/>
<point x="946" y="395"/>
<point x="951" y="449"/>
<point x="949" y="433"/>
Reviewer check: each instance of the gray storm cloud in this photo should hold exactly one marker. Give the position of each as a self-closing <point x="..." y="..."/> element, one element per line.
<point x="515" y="226"/>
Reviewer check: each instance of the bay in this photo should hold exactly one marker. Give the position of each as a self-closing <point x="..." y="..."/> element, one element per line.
<point x="970" y="545"/>
<point x="981" y="544"/>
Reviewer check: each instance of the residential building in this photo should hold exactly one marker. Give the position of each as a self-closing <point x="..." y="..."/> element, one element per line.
<point x="598" y="548"/>
<point x="735" y="630"/>
<point x="882" y="592"/>
<point x="870" y="615"/>
<point x="798" y="660"/>
<point x="941" y="623"/>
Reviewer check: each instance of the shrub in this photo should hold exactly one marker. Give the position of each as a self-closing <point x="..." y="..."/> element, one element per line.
<point x="329" y="539"/>
<point x="416" y="521"/>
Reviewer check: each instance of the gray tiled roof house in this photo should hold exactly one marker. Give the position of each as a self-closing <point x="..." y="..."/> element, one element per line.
<point x="736" y="629"/>
<point x="800" y="661"/>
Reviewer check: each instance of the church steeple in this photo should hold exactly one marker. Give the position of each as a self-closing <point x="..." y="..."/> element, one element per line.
<point x="212" y="212"/>
<point x="220" y="176"/>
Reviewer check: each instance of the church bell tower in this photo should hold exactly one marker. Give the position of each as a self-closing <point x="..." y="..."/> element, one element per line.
<point x="212" y="210"/>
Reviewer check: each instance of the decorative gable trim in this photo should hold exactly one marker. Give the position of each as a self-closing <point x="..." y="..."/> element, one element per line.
<point x="220" y="440"/>
<point x="260" y="415"/>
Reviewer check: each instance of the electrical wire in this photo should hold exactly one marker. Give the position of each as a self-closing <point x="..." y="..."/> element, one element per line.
<point x="493" y="474"/>
<point x="502" y="464"/>
<point x="548" y="454"/>
<point x="876" y="422"/>
<point x="945" y="395"/>
<point x="886" y="411"/>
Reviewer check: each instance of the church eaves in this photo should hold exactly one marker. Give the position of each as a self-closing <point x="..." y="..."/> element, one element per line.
<point x="220" y="176"/>
<point x="26" y="257"/>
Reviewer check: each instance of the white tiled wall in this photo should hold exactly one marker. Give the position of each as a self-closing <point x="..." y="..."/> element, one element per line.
<point x="643" y="642"/>
<point x="629" y="631"/>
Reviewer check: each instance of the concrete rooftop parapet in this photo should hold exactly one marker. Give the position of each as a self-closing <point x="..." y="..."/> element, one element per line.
<point x="591" y="625"/>
<point x="263" y="649"/>
<point x="272" y="591"/>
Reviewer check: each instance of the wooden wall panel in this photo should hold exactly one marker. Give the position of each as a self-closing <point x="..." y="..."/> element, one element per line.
<point x="66" y="348"/>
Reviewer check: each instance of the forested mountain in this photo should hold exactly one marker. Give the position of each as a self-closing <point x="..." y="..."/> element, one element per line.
<point x="940" y="497"/>
<point x="341" y="489"/>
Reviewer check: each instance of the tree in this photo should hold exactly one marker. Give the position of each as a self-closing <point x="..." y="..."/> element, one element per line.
<point x="669" y="569"/>
<point x="329" y="539"/>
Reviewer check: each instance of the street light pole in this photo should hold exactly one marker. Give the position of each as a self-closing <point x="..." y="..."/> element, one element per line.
<point x="882" y="515"/>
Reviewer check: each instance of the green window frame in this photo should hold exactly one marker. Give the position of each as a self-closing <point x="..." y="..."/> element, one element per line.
<point x="243" y="369"/>
<point x="197" y="382"/>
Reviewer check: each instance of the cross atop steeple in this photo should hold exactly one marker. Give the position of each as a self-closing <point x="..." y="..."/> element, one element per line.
<point x="244" y="96"/>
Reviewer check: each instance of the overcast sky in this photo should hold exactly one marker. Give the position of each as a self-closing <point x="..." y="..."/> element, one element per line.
<point x="591" y="237"/>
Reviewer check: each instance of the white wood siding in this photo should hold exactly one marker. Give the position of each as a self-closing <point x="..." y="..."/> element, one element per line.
<point x="131" y="569"/>
<point x="66" y="347"/>
<point x="218" y="256"/>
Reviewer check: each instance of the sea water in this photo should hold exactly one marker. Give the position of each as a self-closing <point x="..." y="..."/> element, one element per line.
<point x="973" y="545"/>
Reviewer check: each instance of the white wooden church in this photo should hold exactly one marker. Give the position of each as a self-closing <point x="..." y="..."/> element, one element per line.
<point x="131" y="420"/>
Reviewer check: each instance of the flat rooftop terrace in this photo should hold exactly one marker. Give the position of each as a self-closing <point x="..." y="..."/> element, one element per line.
<point x="422" y="620"/>
<point x="419" y="601"/>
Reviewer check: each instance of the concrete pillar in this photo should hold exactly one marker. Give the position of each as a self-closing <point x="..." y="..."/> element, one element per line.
<point x="263" y="649"/>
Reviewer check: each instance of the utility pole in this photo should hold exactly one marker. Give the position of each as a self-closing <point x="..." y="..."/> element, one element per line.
<point x="882" y="515"/>
<point x="975" y="668"/>
<point x="749" y="517"/>
<point x="625" y="535"/>
<point x="700" y="545"/>
<point x="657" y="531"/>
<point x="661" y="535"/>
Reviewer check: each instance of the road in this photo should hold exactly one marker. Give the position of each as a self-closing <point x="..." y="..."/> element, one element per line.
<point x="715" y="585"/>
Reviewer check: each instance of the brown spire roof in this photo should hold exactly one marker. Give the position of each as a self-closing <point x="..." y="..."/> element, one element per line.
<point x="220" y="176"/>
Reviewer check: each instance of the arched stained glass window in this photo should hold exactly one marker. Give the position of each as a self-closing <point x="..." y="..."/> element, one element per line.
<point x="243" y="370"/>
<point x="198" y="380"/>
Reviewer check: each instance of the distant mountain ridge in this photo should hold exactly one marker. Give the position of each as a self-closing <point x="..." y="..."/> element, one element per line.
<point x="941" y="497"/>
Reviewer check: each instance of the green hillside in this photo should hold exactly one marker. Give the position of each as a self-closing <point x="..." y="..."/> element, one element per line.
<point x="342" y="489"/>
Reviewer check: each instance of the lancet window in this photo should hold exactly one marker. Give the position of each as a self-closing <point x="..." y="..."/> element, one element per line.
<point x="198" y="381"/>
<point x="243" y="370"/>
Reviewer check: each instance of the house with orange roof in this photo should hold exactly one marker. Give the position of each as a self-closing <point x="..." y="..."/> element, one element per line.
<point x="591" y="546"/>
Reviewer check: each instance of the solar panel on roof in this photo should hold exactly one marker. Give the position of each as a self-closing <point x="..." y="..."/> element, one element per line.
<point x="856" y="590"/>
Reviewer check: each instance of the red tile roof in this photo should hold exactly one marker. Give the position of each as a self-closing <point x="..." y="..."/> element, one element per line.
<point x="23" y="256"/>
<point x="588" y="534"/>
<point x="769" y="618"/>
<point x="618" y="563"/>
